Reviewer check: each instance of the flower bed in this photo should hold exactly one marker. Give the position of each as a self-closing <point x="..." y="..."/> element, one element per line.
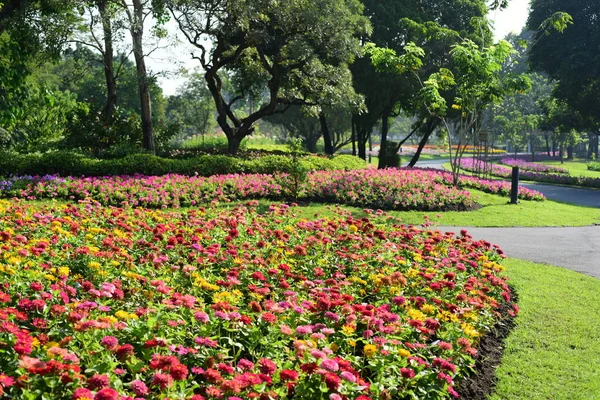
<point x="392" y="189"/>
<point x="533" y="167"/>
<point x="501" y="188"/>
<point x="469" y="164"/>
<point x="388" y="189"/>
<point x="107" y="303"/>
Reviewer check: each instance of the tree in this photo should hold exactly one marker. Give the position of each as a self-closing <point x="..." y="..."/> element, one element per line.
<point x="192" y="108"/>
<point x="292" y="51"/>
<point x="569" y="56"/>
<point x="432" y="25"/>
<point x="477" y="82"/>
<point x="99" y="33"/>
<point x="28" y="30"/>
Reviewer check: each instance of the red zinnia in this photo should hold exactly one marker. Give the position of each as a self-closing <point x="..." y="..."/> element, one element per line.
<point x="179" y="372"/>
<point x="288" y="375"/>
<point x="332" y="381"/>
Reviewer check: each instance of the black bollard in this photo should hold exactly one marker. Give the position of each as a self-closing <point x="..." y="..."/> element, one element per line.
<point x="514" y="189"/>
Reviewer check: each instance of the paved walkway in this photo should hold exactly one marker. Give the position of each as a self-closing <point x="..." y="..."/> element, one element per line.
<point x="574" y="248"/>
<point x="564" y="194"/>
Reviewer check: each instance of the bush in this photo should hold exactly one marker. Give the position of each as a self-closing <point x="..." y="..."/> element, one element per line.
<point x="593" y="166"/>
<point x="66" y="163"/>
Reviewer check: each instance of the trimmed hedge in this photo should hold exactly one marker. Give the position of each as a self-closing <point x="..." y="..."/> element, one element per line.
<point x="73" y="164"/>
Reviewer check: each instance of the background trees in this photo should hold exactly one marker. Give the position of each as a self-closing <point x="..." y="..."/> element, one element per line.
<point x="281" y="49"/>
<point x="571" y="58"/>
<point x="310" y="67"/>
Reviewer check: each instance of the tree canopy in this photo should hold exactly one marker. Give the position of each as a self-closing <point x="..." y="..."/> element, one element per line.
<point x="571" y="57"/>
<point x="283" y="49"/>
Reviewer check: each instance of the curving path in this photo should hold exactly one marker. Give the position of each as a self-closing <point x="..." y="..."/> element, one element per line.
<point x="574" y="248"/>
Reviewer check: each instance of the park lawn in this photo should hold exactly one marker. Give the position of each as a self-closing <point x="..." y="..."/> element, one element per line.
<point x="495" y="212"/>
<point x="554" y="350"/>
<point x="575" y="167"/>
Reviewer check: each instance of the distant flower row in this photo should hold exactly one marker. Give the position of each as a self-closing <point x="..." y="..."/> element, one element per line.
<point x="533" y="167"/>
<point x="108" y="303"/>
<point x="469" y="164"/>
<point x="391" y="189"/>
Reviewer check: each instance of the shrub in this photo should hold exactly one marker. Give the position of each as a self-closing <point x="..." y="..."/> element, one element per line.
<point x="593" y="166"/>
<point x="66" y="163"/>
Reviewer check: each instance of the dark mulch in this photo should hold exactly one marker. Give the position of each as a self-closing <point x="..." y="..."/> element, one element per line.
<point x="482" y="383"/>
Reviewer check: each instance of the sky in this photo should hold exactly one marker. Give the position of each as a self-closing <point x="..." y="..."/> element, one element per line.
<point x="170" y="60"/>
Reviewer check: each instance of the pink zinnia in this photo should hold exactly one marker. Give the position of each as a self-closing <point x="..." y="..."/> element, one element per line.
<point x="110" y="342"/>
<point x="162" y="380"/>
<point x="330" y="365"/>
<point x="139" y="388"/>
<point x="98" y="381"/>
<point x="407" y="373"/>
<point x="6" y="381"/>
<point x="82" y="393"/>
<point x="267" y="366"/>
<point x="107" y="394"/>
<point x="348" y="376"/>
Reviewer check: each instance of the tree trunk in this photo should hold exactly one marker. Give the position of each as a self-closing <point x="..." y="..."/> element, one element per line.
<point x="353" y="137"/>
<point x="383" y="162"/>
<point x="233" y="145"/>
<point x="569" y="152"/>
<point x="362" y="143"/>
<point x="326" y="134"/>
<point x="311" y="142"/>
<point x="137" y="31"/>
<point x="370" y="147"/>
<point x="547" y="145"/>
<point x="593" y="145"/>
<point x="422" y="144"/>
<point x="561" y="153"/>
<point x="107" y="60"/>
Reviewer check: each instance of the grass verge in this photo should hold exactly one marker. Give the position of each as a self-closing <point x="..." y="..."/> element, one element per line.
<point x="495" y="212"/>
<point x="554" y="351"/>
<point x="576" y="168"/>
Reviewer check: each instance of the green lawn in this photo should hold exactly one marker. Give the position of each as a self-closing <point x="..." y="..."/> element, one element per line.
<point x="554" y="351"/>
<point x="495" y="212"/>
<point x="575" y="167"/>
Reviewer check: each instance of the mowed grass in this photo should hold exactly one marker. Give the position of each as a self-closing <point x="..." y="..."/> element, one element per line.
<point x="554" y="350"/>
<point x="495" y="212"/>
<point x="575" y="167"/>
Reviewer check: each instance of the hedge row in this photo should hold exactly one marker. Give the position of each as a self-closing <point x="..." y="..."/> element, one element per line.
<point x="73" y="164"/>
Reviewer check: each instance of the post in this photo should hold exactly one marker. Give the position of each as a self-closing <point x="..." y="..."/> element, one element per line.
<point x="514" y="189"/>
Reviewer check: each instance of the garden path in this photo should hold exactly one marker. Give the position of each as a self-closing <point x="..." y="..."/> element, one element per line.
<point x="574" y="248"/>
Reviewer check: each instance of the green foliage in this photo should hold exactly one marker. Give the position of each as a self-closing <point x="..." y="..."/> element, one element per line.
<point x="565" y="46"/>
<point x="40" y="119"/>
<point x="193" y="107"/>
<point x="69" y="163"/>
<point x="593" y="166"/>
<point x="292" y="51"/>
